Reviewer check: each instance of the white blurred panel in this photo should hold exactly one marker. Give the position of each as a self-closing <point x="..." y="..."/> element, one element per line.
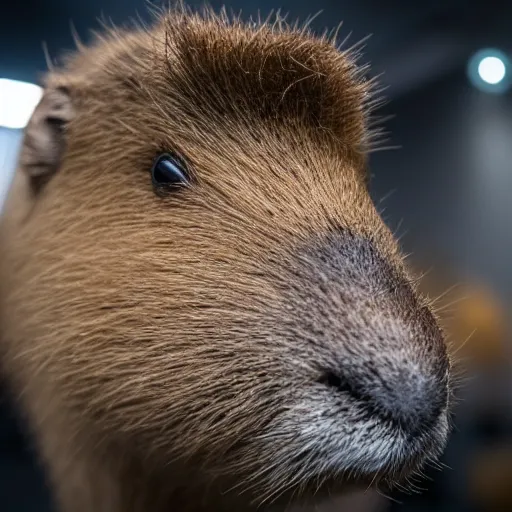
<point x="9" y="146"/>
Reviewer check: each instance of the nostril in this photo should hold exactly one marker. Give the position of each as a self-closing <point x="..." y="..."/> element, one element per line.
<point x="339" y="383"/>
<point x="410" y="404"/>
<point x="330" y="379"/>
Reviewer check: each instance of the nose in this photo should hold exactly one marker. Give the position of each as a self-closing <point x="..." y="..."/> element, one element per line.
<point x="409" y="401"/>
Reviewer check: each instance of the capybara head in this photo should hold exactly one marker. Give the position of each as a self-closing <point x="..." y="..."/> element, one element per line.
<point x="193" y="272"/>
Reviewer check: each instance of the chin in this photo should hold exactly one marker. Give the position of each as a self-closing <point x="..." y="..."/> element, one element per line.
<point x="319" y="458"/>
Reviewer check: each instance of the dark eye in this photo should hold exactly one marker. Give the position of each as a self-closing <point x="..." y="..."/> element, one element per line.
<point x="168" y="171"/>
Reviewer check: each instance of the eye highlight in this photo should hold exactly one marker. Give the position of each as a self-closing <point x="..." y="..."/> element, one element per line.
<point x="168" y="172"/>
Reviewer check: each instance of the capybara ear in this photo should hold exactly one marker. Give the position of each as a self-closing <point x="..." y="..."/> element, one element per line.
<point x="45" y="139"/>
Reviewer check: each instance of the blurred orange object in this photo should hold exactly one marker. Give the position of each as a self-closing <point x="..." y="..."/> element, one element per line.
<point x="490" y="479"/>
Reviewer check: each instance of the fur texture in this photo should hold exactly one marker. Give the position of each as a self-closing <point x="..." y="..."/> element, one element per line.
<point x="248" y="339"/>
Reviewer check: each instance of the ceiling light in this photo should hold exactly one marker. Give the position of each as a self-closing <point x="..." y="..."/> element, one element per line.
<point x="488" y="71"/>
<point x="492" y="70"/>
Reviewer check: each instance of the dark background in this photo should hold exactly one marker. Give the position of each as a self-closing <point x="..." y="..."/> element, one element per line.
<point x="450" y="182"/>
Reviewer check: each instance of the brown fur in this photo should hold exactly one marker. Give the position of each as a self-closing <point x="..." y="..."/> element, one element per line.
<point x="169" y="351"/>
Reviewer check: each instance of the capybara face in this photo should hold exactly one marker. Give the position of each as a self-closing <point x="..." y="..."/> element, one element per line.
<point x="193" y="271"/>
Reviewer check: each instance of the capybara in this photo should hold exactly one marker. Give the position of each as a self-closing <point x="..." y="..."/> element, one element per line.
<point x="201" y="308"/>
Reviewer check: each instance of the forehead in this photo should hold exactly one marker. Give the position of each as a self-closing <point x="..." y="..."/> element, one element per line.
<point x="220" y="70"/>
<point x="267" y="75"/>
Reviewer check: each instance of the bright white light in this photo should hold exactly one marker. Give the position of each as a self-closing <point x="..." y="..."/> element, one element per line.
<point x="17" y="102"/>
<point x="492" y="70"/>
<point x="489" y="71"/>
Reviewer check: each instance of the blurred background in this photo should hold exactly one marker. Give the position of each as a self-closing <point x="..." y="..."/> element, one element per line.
<point x="447" y="191"/>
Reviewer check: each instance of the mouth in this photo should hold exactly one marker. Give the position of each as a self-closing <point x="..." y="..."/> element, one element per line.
<point x="321" y="455"/>
<point x="402" y="453"/>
